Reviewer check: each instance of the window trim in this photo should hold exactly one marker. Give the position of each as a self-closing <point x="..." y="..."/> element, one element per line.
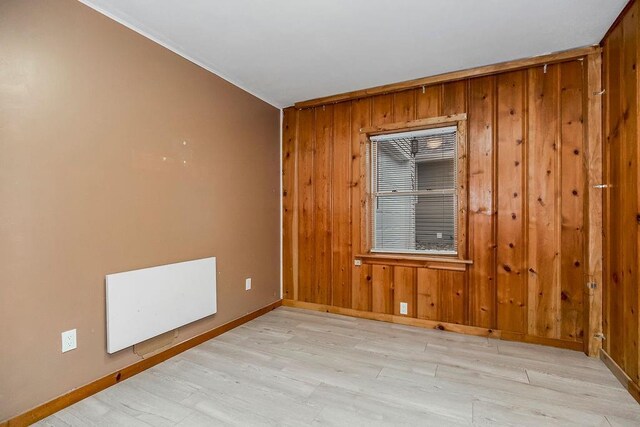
<point x="460" y="122"/>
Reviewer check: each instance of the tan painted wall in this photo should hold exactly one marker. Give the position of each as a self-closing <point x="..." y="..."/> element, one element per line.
<point x="88" y="110"/>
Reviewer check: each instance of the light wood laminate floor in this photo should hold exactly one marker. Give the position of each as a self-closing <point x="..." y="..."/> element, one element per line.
<point x="296" y="367"/>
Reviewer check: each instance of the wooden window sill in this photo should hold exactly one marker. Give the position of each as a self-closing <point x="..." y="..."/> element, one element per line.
<point x="420" y="261"/>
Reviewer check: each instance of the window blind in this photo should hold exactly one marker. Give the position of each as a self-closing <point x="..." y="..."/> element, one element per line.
<point x="413" y="183"/>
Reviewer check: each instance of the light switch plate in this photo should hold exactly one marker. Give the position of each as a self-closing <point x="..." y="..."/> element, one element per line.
<point x="357" y="262"/>
<point x="247" y="284"/>
<point x="69" y="341"/>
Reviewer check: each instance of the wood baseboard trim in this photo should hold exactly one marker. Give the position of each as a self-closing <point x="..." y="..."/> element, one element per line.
<point x="432" y="324"/>
<point x="392" y="318"/>
<point x="76" y="395"/>
<point x="551" y="342"/>
<point x="621" y="375"/>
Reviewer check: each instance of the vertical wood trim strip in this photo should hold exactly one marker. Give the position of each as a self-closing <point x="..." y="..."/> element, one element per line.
<point x="594" y="209"/>
<point x="360" y="276"/>
<point x="526" y="196"/>
<point x="289" y="154"/>
<point x="629" y="191"/>
<point x="634" y="113"/>
<point x="606" y="205"/>
<point x="614" y="282"/>
<point x="295" y="234"/>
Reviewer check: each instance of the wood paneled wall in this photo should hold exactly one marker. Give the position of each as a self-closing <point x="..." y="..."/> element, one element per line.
<point x="621" y="214"/>
<point x="526" y="206"/>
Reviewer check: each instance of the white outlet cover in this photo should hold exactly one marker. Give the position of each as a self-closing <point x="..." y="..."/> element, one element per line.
<point x="439" y="235"/>
<point x="69" y="340"/>
<point x="357" y="262"/>
<point x="247" y="284"/>
<point x="403" y="308"/>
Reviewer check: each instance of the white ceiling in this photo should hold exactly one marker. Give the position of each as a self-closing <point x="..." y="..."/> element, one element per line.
<point x="285" y="51"/>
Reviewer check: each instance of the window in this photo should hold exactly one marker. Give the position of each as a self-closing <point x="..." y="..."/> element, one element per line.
<point x="414" y="199"/>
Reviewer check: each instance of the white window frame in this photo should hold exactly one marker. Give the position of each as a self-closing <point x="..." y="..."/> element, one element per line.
<point x="459" y="120"/>
<point x="375" y="194"/>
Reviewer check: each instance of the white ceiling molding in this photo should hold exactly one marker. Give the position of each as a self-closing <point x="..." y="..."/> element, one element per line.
<point x="284" y="51"/>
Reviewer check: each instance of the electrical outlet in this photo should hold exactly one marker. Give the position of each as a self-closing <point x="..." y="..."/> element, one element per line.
<point x="403" y="308"/>
<point x="439" y="235"/>
<point x="357" y="262"/>
<point x="247" y="284"/>
<point x="69" y="341"/>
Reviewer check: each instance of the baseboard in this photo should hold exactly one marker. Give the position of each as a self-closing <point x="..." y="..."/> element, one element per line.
<point x="551" y="342"/>
<point x="432" y="324"/>
<point x="621" y="375"/>
<point x="392" y="318"/>
<point x="61" y="402"/>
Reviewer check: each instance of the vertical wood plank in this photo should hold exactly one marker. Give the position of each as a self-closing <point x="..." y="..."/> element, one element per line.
<point x="404" y="290"/>
<point x="635" y="167"/>
<point x="427" y="303"/>
<point x="481" y="204"/>
<point x="593" y="206"/>
<point x="543" y="157"/>
<point x="381" y="289"/>
<point x="306" y="210"/>
<point x="454" y="97"/>
<point x="341" y="259"/>
<point x="511" y="195"/>
<point x="629" y="190"/>
<point x="322" y="166"/>
<point x="289" y="229"/>
<point x="451" y="293"/>
<point x="607" y="64"/>
<point x="361" y="296"/>
<point x="606" y="205"/>
<point x="614" y="282"/>
<point x="428" y="102"/>
<point x="404" y="106"/>
<point x="572" y="201"/>
<point x="360" y="287"/>
<point x="382" y="110"/>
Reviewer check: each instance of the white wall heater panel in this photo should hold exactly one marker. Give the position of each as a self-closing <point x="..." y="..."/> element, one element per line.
<point x="142" y="304"/>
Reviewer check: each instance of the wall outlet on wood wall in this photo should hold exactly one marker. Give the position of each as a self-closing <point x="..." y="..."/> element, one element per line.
<point x="403" y="308"/>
